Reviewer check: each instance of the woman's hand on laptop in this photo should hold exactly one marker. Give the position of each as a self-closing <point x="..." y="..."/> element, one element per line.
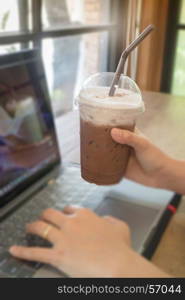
<point x="86" y="245"/>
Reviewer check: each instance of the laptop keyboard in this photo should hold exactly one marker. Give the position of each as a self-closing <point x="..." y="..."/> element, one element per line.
<point x="68" y="188"/>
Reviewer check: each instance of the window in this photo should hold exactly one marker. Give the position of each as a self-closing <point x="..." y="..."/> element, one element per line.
<point x="15" y="16"/>
<point x="178" y="79"/>
<point x="174" y="62"/>
<point x="69" y="60"/>
<point x="56" y="13"/>
<point x="76" y="38"/>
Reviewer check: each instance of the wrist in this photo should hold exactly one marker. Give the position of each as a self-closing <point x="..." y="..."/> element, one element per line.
<point x="162" y="174"/>
<point x="134" y="265"/>
<point x="173" y="175"/>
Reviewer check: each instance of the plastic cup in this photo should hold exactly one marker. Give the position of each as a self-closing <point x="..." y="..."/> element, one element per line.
<point x="103" y="161"/>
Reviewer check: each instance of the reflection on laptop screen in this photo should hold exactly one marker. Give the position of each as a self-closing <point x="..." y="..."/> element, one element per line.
<point x="27" y="136"/>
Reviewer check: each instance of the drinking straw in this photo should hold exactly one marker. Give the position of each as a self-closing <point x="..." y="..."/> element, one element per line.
<point x="124" y="56"/>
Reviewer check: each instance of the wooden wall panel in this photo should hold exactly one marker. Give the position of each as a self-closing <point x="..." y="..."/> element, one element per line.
<point x="151" y="51"/>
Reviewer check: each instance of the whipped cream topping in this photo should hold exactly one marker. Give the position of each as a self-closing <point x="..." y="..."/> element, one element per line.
<point x="96" y="106"/>
<point x="98" y="96"/>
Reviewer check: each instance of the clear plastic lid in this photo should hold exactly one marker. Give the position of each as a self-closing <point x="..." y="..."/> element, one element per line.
<point x="95" y="92"/>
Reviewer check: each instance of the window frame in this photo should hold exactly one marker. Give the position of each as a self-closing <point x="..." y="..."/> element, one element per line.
<point x="115" y="29"/>
<point x="173" y="25"/>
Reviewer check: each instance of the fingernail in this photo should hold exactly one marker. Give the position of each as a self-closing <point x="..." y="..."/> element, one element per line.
<point x="113" y="131"/>
<point x="117" y="133"/>
<point x="27" y="226"/>
<point x="13" y="249"/>
<point x="74" y="206"/>
<point x="117" y="130"/>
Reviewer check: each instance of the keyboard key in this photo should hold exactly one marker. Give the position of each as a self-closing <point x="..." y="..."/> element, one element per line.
<point x="36" y="241"/>
<point x="25" y="272"/>
<point x="9" y="265"/>
<point x="33" y="264"/>
<point x="4" y="256"/>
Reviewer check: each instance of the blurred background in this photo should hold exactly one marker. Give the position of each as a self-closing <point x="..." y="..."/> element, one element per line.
<point x="81" y="37"/>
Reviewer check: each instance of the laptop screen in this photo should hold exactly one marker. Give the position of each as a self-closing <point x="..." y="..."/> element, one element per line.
<point x="28" y="142"/>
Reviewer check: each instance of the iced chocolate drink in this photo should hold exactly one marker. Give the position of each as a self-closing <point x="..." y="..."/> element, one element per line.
<point x="104" y="161"/>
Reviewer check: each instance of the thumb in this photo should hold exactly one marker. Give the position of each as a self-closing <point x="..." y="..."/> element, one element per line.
<point x="121" y="136"/>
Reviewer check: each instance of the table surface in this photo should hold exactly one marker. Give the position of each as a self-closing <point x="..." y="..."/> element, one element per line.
<point x="163" y="123"/>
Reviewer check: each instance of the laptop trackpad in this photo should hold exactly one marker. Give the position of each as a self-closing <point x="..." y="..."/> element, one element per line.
<point x="140" y="218"/>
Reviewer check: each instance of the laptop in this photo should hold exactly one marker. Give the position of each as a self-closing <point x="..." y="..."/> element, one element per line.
<point x="33" y="177"/>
